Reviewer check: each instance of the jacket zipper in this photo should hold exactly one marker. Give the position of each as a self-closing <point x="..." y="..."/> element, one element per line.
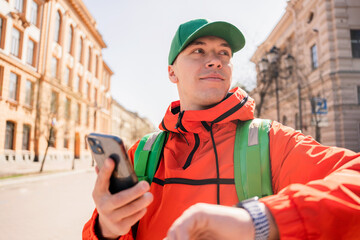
<point x="217" y="165"/>
<point x="191" y="155"/>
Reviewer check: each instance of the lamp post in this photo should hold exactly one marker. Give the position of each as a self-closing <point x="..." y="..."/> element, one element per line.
<point x="276" y="65"/>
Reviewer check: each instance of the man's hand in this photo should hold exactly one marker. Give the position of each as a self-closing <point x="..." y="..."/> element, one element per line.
<point x="118" y="212"/>
<point x="208" y="221"/>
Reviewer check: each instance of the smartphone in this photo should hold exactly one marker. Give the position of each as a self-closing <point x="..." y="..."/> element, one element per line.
<point x="108" y="146"/>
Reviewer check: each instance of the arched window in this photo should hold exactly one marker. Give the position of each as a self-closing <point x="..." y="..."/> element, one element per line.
<point x="70" y="39"/>
<point x="57" y="27"/>
<point x="10" y="135"/>
<point x="80" y="47"/>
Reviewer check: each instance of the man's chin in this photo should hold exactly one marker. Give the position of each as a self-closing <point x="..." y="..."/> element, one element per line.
<point x="209" y="103"/>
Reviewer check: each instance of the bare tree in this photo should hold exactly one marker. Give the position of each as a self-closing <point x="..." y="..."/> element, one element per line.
<point x="49" y="132"/>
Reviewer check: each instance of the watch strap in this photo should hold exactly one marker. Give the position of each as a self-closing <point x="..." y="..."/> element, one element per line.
<point x="261" y="222"/>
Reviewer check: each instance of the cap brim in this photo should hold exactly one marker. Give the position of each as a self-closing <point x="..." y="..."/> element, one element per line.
<point x="224" y="30"/>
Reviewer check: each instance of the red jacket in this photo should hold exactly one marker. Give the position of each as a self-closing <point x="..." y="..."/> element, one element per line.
<point x="316" y="188"/>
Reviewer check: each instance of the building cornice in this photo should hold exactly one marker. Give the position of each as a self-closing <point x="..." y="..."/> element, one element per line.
<point x="89" y="21"/>
<point x="285" y="22"/>
<point x="17" y="63"/>
<point x="108" y="68"/>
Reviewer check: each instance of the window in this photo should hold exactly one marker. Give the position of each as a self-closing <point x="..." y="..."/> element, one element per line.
<point x="95" y="119"/>
<point x="310" y="17"/>
<point x="66" y="140"/>
<point x="104" y="101"/>
<point x="15" y="42"/>
<point x="19" y="5"/>
<point x="54" y="103"/>
<point x="57" y="27"/>
<point x="95" y="96"/>
<point x="106" y="78"/>
<point x="29" y="89"/>
<point x="87" y="116"/>
<point x="1" y="80"/>
<point x="2" y="31"/>
<point x="70" y="39"/>
<point x="13" y="86"/>
<point x="97" y="66"/>
<point x="314" y="57"/>
<point x="30" y="58"/>
<point x="77" y="83"/>
<point x="67" y="76"/>
<point x="54" y="67"/>
<point x="355" y="43"/>
<point x="78" y="113"/>
<point x="87" y="90"/>
<point x="79" y="53"/>
<point x="10" y="135"/>
<point x="89" y="59"/>
<point x="67" y="108"/>
<point x="34" y="13"/>
<point x="26" y="137"/>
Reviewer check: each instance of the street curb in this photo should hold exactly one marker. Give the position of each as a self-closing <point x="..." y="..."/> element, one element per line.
<point x="38" y="177"/>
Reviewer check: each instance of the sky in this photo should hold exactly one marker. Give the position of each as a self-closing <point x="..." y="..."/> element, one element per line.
<point x="138" y="35"/>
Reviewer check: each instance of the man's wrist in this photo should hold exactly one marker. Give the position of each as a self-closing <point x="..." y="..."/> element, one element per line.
<point x="274" y="231"/>
<point x="257" y="211"/>
<point x="99" y="233"/>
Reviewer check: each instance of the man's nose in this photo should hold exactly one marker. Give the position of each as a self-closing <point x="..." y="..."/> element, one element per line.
<point x="213" y="62"/>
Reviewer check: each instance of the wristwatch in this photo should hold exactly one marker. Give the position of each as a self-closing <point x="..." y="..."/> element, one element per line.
<point x="261" y="222"/>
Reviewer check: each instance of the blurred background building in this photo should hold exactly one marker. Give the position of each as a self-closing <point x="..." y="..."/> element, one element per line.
<point x="308" y="71"/>
<point x="129" y="125"/>
<point x="54" y="83"/>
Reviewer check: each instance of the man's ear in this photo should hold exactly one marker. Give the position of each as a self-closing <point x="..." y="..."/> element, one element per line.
<point x="172" y="75"/>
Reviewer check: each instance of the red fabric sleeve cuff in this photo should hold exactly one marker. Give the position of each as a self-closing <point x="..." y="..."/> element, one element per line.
<point x="89" y="232"/>
<point x="286" y="215"/>
<point x="89" y="228"/>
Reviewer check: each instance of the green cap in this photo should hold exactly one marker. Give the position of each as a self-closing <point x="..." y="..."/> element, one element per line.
<point x="194" y="29"/>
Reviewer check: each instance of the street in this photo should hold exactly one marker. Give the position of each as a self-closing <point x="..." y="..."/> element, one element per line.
<point x="51" y="207"/>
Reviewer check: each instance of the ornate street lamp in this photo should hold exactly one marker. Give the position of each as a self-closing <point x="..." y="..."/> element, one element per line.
<point x="271" y="70"/>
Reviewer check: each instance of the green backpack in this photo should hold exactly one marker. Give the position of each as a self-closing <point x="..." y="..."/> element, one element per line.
<point x="251" y="158"/>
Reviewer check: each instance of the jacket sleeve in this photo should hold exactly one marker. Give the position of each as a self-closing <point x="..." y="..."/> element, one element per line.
<point x="89" y="232"/>
<point x="317" y="188"/>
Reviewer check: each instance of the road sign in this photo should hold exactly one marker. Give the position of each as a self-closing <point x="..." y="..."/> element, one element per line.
<point x="319" y="106"/>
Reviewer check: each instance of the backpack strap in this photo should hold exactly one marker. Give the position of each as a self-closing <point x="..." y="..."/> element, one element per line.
<point x="251" y="159"/>
<point x="147" y="155"/>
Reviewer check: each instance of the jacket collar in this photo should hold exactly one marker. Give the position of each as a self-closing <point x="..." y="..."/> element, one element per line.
<point x="236" y="106"/>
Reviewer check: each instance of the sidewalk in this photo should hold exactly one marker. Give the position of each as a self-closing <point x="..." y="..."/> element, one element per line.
<point x="11" y="172"/>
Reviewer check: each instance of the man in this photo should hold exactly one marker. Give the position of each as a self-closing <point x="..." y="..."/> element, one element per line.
<point x="316" y="188"/>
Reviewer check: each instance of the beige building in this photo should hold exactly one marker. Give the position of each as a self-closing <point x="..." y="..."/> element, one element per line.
<point x="128" y="125"/>
<point x="323" y="36"/>
<point x="52" y="79"/>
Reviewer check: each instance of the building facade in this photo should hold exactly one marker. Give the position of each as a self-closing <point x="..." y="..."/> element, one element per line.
<point x="54" y="84"/>
<point x="321" y="93"/>
<point x="128" y="125"/>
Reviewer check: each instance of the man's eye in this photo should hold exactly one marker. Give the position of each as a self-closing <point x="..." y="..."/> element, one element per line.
<point x="226" y="53"/>
<point x="199" y="51"/>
